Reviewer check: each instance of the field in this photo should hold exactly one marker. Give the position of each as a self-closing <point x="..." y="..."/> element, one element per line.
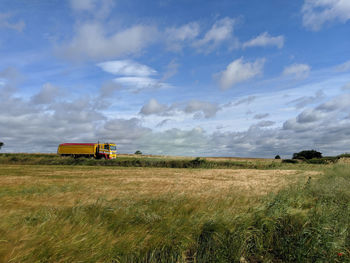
<point x="90" y="212"/>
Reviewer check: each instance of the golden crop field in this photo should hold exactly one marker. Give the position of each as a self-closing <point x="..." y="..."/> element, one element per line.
<point x="67" y="185"/>
<point x="96" y="214"/>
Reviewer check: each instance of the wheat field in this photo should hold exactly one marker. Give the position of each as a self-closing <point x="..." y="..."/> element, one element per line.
<point x="95" y="214"/>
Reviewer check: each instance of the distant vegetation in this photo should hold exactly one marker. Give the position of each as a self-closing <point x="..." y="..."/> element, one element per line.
<point x="344" y="155"/>
<point x="141" y="161"/>
<point x="138" y="152"/>
<point x="1" y="144"/>
<point x="277" y="157"/>
<point x="308" y="155"/>
<point x="314" y="157"/>
<point x="166" y="162"/>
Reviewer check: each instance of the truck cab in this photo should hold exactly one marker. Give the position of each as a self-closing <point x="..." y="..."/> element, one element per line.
<point x="106" y="150"/>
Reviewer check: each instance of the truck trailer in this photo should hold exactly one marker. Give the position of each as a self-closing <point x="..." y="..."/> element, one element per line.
<point x="90" y="150"/>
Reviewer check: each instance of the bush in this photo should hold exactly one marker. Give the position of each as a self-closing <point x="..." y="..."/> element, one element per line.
<point x="290" y="161"/>
<point x="331" y="159"/>
<point x="277" y="157"/>
<point x="138" y="152"/>
<point x="344" y="155"/>
<point x="309" y="154"/>
<point x="1" y="144"/>
<point x="317" y="161"/>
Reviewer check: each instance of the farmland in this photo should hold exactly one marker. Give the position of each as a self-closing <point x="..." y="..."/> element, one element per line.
<point x="247" y="210"/>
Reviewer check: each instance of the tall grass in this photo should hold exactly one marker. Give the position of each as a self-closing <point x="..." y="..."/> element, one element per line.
<point x="306" y="222"/>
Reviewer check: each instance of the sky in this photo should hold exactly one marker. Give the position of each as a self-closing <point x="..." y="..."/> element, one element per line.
<point x="245" y="78"/>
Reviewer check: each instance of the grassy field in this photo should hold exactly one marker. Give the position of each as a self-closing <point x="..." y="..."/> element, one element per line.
<point x="84" y="213"/>
<point x="153" y="161"/>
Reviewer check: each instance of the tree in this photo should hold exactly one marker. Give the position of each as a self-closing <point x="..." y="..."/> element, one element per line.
<point x="277" y="157"/>
<point x="1" y="144"/>
<point x="308" y="154"/>
<point x="138" y="152"/>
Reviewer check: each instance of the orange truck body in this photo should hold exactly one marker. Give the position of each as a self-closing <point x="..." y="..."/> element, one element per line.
<point x="93" y="150"/>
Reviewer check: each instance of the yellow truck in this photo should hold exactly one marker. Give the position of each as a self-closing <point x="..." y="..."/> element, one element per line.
<point x="92" y="150"/>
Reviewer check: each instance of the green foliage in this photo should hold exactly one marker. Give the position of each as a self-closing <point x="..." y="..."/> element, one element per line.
<point x="138" y="152"/>
<point x="132" y="161"/>
<point x="277" y="157"/>
<point x="289" y="161"/>
<point x="344" y="155"/>
<point x="319" y="161"/>
<point x="1" y="144"/>
<point x="309" y="154"/>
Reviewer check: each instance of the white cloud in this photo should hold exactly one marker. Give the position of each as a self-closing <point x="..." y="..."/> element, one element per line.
<point x="318" y="12"/>
<point x="246" y="101"/>
<point x="261" y="116"/>
<point x="298" y="71"/>
<point x="200" y="109"/>
<point x="221" y="31"/>
<point x="344" y="67"/>
<point x="301" y="102"/>
<point x="79" y="111"/>
<point x="137" y="84"/>
<point x="265" y="123"/>
<point x="125" y="132"/>
<point x="239" y="71"/>
<point x="92" y="42"/>
<point x="177" y="36"/>
<point x="179" y="142"/>
<point x="5" y="23"/>
<point x="171" y="70"/>
<point x="133" y="76"/>
<point x="127" y="68"/>
<point x="47" y="94"/>
<point x="154" y="107"/>
<point x="208" y="109"/>
<point x="265" y="39"/>
<point x="309" y="115"/>
<point x="339" y="103"/>
<point x="98" y="8"/>
<point x="162" y="123"/>
<point x="107" y="89"/>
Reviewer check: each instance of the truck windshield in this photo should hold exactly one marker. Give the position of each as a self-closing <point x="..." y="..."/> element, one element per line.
<point x="113" y="148"/>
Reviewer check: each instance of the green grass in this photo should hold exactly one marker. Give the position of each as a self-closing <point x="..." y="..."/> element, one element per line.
<point x="308" y="221"/>
<point x="159" y="161"/>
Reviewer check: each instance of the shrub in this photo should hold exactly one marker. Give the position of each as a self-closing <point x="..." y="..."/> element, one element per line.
<point x="318" y="161"/>
<point x="1" y="144"/>
<point x="138" y="152"/>
<point x="290" y="161"/>
<point x="277" y="157"/>
<point x="331" y="159"/>
<point x="198" y="162"/>
<point x="308" y="154"/>
<point x="344" y="155"/>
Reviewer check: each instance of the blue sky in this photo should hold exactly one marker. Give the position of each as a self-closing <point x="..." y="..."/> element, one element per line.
<point x="201" y="78"/>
